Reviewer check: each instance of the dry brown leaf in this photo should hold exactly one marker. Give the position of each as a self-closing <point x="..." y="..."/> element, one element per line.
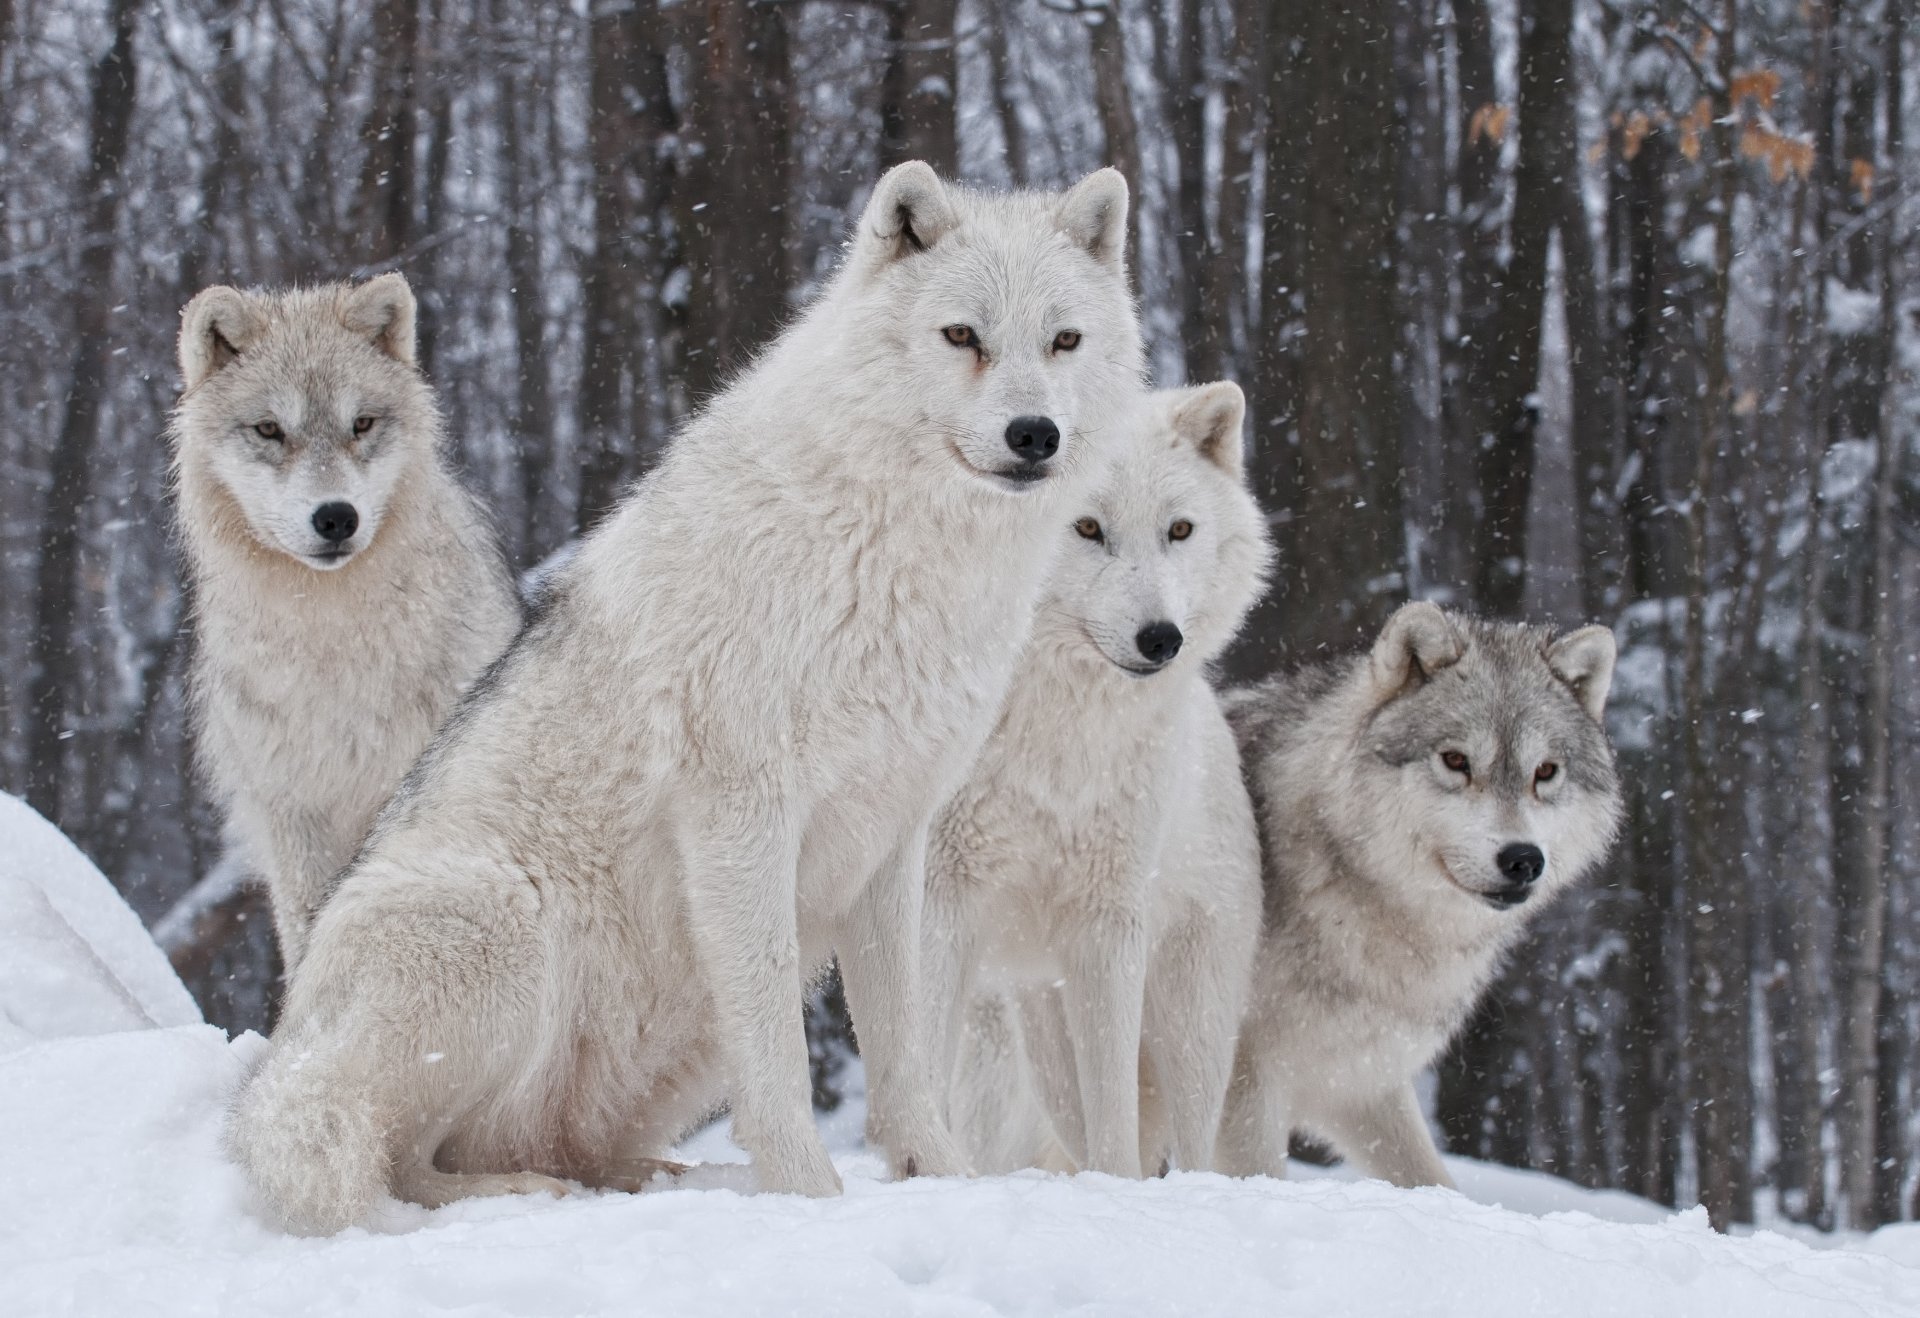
<point x="1860" y="172"/>
<point x="1692" y="126"/>
<point x="1489" y="121"/>
<point x="1638" y="126"/>
<point x="1756" y="85"/>
<point x="1783" y="155"/>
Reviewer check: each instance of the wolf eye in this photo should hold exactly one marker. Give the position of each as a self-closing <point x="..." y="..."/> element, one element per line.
<point x="1180" y="530"/>
<point x="961" y="336"/>
<point x="1547" y="772"/>
<point x="362" y="424"/>
<point x="1455" y="761"/>
<point x="1088" y="529"/>
<point x="1066" y="340"/>
<point x="270" y="430"/>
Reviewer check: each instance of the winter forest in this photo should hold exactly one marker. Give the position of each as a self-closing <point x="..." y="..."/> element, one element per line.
<point x="1584" y="310"/>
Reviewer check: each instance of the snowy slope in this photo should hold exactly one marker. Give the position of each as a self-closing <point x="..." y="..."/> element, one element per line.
<point x="74" y="959"/>
<point x="116" y="1200"/>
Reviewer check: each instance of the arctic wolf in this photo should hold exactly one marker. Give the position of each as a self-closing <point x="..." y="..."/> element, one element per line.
<point x="1101" y="864"/>
<point x="345" y="587"/>
<point x="711" y="761"/>
<point x="1417" y="807"/>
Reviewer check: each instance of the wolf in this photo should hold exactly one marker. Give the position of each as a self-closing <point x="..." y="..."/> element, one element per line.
<point x="346" y="588"/>
<point x="1418" y="806"/>
<point x="589" y="915"/>
<point x="1101" y="864"/>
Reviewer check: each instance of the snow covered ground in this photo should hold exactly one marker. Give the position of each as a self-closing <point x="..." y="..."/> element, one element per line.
<point x="115" y="1199"/>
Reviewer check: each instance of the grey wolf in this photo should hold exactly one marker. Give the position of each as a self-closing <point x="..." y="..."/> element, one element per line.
<point x="1101" y="867"/>
<point x="711" y="760"/>
<point x="1418" y="806"/>
<point x="345" y="587"/>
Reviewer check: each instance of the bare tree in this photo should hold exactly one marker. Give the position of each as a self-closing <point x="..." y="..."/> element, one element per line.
<point x="114" y="82"/>
<point x="917" y="100"/>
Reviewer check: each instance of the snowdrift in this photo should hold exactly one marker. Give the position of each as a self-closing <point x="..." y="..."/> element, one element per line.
<point x="116" y="1198"/>
<point x="74" y="958"/>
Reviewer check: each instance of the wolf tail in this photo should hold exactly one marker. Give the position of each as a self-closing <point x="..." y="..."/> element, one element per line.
<point x="307" y="1132"/>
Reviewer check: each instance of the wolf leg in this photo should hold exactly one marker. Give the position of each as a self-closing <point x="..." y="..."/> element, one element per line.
<point x="1388" y="1138"/>
<point x="1256" y="1123"/>
<point x="740" y="863"/>
<point x="879" y="950"/>
<point x="430" y="1187"/>
<point x="1190" y="1019"/>
<point x="1102" y="997"/>
<point x="1049" y="1048"/>
<point x="995" y="1115"/>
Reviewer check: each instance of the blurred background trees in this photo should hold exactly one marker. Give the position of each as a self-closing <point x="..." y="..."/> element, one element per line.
<point x="1585" y="309"/>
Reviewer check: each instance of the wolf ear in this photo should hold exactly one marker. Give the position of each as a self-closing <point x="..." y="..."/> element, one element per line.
<point x="1208" y="416"/>
<point x="1584" y="661"/>
<point x="909" y="212"/>
<point x="382" y="310"/>
<point x="1417" y="642"/>
<point x="1094" y="215"/>
<point x="215" y="328"/>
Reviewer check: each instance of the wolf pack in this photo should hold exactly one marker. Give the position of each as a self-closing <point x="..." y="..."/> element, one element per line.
<point x="901" y="660"/>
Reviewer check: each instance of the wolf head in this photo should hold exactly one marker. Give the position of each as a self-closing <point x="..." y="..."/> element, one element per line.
<point x="305" y="408"/>
<point x="1485" y="748"/>
<point x="1003" y="320"/>
<point x="1165" y="559"/>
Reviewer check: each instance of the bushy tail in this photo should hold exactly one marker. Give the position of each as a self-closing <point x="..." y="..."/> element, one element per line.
<point x="306" y="1132"/>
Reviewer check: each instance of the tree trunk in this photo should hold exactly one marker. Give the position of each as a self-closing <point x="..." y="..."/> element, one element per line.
<point x="1107" y="39"/>
<point x="917" y="98"/>
<point x="384" y="227"/>
<point x="1013" y="133"/>
<point x="56" y="579"/>
<point x="1506" y="362"/>
<point x="733" y="203"/>
<point x="1719" y="998"/>
<point x="1872" y="1035"/>
<point x="533" y="415"/>
<point x="1326" y="456"/>
<point x="634" y="243"/>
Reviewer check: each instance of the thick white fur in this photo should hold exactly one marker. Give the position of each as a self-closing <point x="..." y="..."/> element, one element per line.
<point x="1379" y="864"/>
<point x="318" y="681"/>
<point x="1101" y="867"/>
<point x="711" y="761"/>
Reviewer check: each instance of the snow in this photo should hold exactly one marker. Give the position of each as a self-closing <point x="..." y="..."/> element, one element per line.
<point x="74" y="958"/>
<point x="118" y="1199"/>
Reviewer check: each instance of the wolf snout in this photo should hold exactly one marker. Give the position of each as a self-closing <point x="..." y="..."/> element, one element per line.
<point x="1520" y="864"/>
<point x="336" y="522"/>
<point x="1033" y="439"/>
<point x="1158" y="642"/>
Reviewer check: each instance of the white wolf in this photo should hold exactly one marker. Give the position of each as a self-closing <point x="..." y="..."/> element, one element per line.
<point x="1416" y="805"/>
<point x="1101" y="864"/>
<point x="345" y="587"/>
<point x="711" y="760"/>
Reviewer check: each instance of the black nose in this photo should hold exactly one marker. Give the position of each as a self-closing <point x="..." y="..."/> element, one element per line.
<point x="1158" y="642"/>
<point x="336" y="522"/>
<point x="1521" y="862"/>
<point x="1034" y="438"/>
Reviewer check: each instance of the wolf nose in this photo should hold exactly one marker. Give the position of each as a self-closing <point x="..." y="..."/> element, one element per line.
<point x="336" y="522"/>
<point x="1521" y="862"/>
<point x="1034" y="438"/>
<point x="1158" y="642"/>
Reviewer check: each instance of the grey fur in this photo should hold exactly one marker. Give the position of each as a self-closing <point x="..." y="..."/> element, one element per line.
<point x="1383" y="924"/>
<point x="316" y="681"/>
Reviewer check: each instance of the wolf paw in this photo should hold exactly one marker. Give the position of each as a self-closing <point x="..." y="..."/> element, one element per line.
<point x="932" y="1154"/>
<point x="807" y="1171"/>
